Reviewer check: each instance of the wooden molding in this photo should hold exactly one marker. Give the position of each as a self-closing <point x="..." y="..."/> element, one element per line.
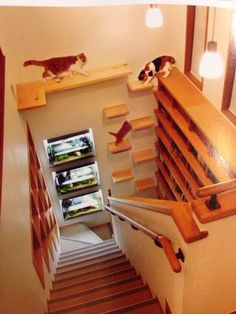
<point x="2" y="101"/>
<point x="186" y="224"/>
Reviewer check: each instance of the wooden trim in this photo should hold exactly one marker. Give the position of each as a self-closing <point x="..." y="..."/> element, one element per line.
<point x="190" y="21"/>
<point x="217" y="188"/>
<point x="181" y="213"/>
<point x="229" y="78"/>
<point x="190" y="24"/>
<point x="167" y="308"/>
<point x="183" y="217"/>
<point x="227" y="201"/>
<point x="158" y="238"/>
<point x="2" y="100"/>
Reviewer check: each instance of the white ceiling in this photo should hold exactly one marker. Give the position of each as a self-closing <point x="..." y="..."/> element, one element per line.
<point x="80" y="3"/>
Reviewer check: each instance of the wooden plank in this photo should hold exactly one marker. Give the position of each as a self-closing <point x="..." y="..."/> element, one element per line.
<point x="122" y="175"/>
<point x="138" y="86"/>
<point x="176" y="174"/>
<point x="2" y="103"/>
<point x="121" y="147"/>
<point x="217" y="188"/>
<point x="178" y="161"/>
<point x="33" y="94"/>
<point x="168" y="180"/>
<point x="195" y="164"/>
<point x="165" y="187"/>
<point x="218" y="169"/>
<point x="115" y="111"/>
<point x="206" y="117"/>
<point x="143" y="155"/>
<point x="227" y="202"/>
<point x="141" y="123"/>
<point x="144" y="184"/>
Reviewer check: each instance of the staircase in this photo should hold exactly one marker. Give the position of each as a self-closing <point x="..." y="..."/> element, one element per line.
<point x="99" y="279"/>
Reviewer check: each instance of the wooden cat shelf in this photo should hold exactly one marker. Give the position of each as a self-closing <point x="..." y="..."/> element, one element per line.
<point x="33" y="94"/>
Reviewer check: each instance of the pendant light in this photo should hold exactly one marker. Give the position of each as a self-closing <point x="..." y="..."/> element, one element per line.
<point x="211" y="65"/>
<point x="153" y="17"/>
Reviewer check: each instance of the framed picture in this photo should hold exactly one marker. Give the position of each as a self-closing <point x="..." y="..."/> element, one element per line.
<point x="82" y="205"/>
<point x="71" y="147"/>
<point x="75" y="179"/>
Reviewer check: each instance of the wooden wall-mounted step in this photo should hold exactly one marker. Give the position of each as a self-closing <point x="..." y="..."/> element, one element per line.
<point x="144" y="184"/>
<point x="33" y="94"/>
<point x="122" y="175"/>
<point x="115" y="111"/>
<point x="141" y="123"/>
<point x="143" y="155"/>
<point x="137" y="86"/>
<point x="121" y="147"/>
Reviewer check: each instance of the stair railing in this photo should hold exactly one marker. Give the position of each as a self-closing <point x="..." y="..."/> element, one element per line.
<point x="213" y="190"/>
<point x="159" y="240"/>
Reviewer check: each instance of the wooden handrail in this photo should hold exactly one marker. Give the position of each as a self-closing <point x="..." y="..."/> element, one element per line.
<point x="216" y="188"/>
<point x="159" y="239"/>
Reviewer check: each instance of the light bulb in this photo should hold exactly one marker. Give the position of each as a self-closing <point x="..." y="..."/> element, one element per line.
<point x="153" y="17"/>
<point x="211" y="65"/>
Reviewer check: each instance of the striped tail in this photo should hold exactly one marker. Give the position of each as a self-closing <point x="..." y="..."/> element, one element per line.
<point x="33" y="62"/>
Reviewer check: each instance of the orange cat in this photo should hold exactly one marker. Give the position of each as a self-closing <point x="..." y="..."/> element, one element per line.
<point x="60" y="65"/>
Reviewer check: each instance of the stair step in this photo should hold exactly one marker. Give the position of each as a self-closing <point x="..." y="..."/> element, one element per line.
<point x="150" y="306"/>
<point x="93" y="282"/>
<point x="89" y="247"/>
<point x="90" y="274"/>
<point x="80" y="255"/>
<point x="84" y="261"/>
<point x="95" y="293"/>
<point x="89" y="267"/>
<point x="68" y="244"/>
<point x="110" y="302"/>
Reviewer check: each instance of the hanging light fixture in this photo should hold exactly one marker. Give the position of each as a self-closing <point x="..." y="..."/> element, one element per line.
<point x="153" y="17"/>
<point x="211" y="65"/>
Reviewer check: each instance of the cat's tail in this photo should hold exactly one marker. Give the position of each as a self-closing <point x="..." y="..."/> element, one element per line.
<point x="112" y="133"/>
<point x="33" y="62"/>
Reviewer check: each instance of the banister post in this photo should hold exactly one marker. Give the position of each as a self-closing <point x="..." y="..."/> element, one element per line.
<point x="212" y="203"/>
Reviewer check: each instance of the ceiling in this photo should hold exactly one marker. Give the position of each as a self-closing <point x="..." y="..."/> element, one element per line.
<point x="81" y="3"/>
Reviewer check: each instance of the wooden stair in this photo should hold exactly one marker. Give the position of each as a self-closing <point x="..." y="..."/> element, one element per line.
<point x="99" y="279"/>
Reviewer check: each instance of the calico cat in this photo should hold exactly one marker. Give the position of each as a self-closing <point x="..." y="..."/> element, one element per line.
<point x="59" y="66"/>
<point x="159" y="65"/>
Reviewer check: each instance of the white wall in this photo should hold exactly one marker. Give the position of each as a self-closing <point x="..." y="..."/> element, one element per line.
<point x="107" y="36"/>
<point x="205" y="283"/>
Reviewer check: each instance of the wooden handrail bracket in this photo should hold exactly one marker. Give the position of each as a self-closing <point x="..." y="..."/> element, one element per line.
<point x="159" y="239"/>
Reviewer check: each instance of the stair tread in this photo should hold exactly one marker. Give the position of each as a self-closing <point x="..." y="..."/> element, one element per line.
<point x="96" y="292"/>
<point x="87" y="284"/>
<point x="85" y="254"/>
<point x="150" y="306"/>
<point x="107" y="301"/>
<point x="91" y="274"/>
<point x="88" y="258"/>
<point x="92" y="266"/>
<point x="90" y="246"/>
